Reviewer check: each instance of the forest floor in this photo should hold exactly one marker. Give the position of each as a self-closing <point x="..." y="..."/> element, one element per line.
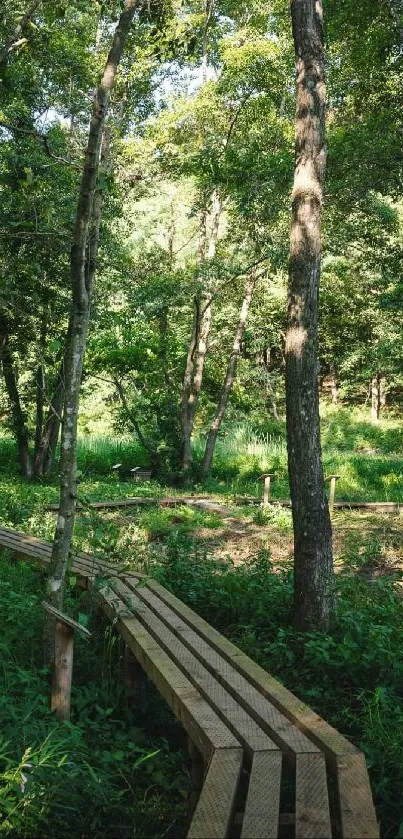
<point x="238" y="534"/>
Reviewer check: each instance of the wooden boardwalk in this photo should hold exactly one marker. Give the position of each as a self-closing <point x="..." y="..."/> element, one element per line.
<point x="218" y="507"/>
<point x="254" y="736"/>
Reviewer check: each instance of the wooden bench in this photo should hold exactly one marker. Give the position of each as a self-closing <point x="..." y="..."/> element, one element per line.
<point x="270" y="763"/>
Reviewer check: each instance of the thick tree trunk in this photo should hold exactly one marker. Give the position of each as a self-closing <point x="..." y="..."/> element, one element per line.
<point x="13" y="40"/>
<point x="17" y="414"/>
<point x="83" y="262"/>
<point x="198" y="343"/>
<point x="313" y="557"/>
<point x="228" y="381"/>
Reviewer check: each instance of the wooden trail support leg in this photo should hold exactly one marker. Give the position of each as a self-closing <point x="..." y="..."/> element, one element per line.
<point x="63" y="671"/>
<point x="196" y="774"/>
<point x="332" y="491"/>
<point x="267" y="478"/>
<point x="63" y="661"/>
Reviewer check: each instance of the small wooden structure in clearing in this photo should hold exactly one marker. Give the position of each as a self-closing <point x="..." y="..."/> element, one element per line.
<point x="265" y="760"/>
<point x="139" y="474"/>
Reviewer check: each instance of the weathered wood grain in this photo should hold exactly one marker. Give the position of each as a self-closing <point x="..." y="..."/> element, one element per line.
<point x="247" y="731"/>
<point x="214" y="810"/>
<point x="203" y="725"/>
<point x="262" y="808"/>
<point x="312" y="814"/>
<point x="320" y="732"/>
<point x="279" y="728"/>
<point x="357" y="812"/>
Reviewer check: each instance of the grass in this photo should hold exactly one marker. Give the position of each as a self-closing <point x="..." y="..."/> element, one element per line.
<point x="106" y="773"/>
<point x="368" y="457"/>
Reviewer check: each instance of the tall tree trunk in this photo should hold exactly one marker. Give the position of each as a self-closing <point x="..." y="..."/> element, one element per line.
<point x="333" y="385"/>
<point x="17" y="414"/>
<point x="40" y="393"/>
<point x="40" y="413"/>
<point x="45" y="449"/>
<point x="197" y="350"/>
<point x="83" y="264"/>
<point x="52" y="426"/>
<point x="376" y="397"/>
<point x="313" y="556"/>
<point x="228" y="381"/>
<point x="13" y="40"/>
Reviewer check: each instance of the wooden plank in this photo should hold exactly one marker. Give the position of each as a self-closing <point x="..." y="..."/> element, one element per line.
<point x="262" y="808"/>
<point x="357" y="812"/>
<point x="320" y="732"/>
<point x="32" y="546"/>
<point x="109" y="504"/>
<point x="66" y="619"/>
<point x="203" y="725"/>
<point x="212" y="817"/>
<point x="312" y="814"/>
<point x="284" y="733"/>
<point x="247" y="731"/>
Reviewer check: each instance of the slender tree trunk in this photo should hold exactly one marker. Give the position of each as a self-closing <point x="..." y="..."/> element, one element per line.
<point x="313" y="556"/>
<point x="52" y="427"/>
<point x="82" y="273"/>
<point x="40" y="394"/>
<point x="228" y="381"/>
<point x="17" y="414"/>
<point x="40" y="413"/>
<point x="376" y="397"/>
<point x="197" y="350"/>
<point x="333" y="385"/>
<point x="45" y="448"/>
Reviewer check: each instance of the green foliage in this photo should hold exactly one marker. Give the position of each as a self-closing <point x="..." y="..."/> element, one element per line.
<point x="272" y="514"/>
<point x="105" y="773"/>
<point x="352" y="677"/>
<point x="180" y="520"/>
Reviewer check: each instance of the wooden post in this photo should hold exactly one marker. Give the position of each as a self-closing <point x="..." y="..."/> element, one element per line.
<point x="63" y="661"/>
<point x="267" y="477"/>
<point x="332" y="491"/>
<point x="62" y="671"/>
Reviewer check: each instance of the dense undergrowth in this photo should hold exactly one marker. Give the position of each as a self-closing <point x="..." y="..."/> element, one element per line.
<point x="353" y="677"/>
<point x="97" y="773"/>
<point x="108" y="772"/>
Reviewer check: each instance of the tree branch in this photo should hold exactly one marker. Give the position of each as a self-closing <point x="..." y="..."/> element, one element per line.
<point x="14" y="40"/>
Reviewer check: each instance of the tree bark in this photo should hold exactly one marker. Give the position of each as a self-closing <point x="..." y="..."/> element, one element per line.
<point x="83" y="266"/>
<point x="198" y="343"/>
<point x="377" y="397"/>
<point x="14" y="38"/>
<point x="313" y="556"/>
<point x="40" y="413"/>
<point x="228" y="381"/>
<point x="45" y="449"/>
<point x="17" y="414"/>
<point x="333" y="385"/>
